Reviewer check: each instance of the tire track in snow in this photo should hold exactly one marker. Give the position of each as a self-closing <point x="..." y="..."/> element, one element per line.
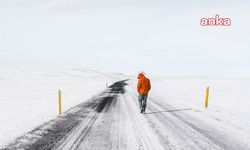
<point x="93" y="134"/>
<point x="178" y="130"/>
<point x="77" y="122"/>
<point x="215" y="139"/>
<point x="49" y="134"/>
<point x="180" y="135"/>
<point x="75" y="140"/>
<point x="146" y="139"/>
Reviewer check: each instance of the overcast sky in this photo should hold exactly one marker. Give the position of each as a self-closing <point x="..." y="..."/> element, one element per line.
<point x="157" y="36"/>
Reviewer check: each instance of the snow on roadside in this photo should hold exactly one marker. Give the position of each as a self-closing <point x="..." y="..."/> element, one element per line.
<point x="29" y="97"/>
<point x="228" y="108"/>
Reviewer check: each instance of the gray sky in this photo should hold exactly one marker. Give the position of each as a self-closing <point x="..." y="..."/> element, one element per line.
<point x="158" y="37"/>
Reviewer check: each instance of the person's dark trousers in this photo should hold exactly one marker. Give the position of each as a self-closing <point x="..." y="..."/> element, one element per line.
<point x="143" y="101"/>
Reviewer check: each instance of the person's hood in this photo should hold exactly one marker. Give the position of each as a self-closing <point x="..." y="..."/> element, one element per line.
<point x="140" y="75"/>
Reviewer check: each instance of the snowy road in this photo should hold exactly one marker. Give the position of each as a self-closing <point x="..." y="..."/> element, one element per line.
<point x="111" y="120"/>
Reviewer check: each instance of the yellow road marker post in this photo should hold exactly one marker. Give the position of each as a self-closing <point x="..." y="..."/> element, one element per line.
<point x="207" y="96"/>
<point x="60" y="101"/>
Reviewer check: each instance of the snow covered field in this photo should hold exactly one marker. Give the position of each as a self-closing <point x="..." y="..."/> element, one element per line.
<point x="229" y="98"/>
<point x="29" y="97"/>
<point x="175" y="118"/>
<point x="229" y="101"/>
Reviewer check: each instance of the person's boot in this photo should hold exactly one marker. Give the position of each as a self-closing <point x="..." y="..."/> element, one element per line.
<point x="141" y="110"/>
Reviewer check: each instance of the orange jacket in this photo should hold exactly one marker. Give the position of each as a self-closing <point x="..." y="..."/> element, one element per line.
<point x="143" y="85"/>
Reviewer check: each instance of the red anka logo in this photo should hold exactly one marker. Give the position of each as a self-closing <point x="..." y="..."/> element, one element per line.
<point x="216" y="21"/>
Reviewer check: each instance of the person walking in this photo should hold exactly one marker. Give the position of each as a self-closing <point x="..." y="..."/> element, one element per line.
<point x="143" y="87"/>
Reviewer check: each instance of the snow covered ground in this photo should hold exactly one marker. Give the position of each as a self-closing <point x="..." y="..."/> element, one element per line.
<point x="175" y="117"/>
<point x="229" y="100"/>
<point x="28" y="97"/>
